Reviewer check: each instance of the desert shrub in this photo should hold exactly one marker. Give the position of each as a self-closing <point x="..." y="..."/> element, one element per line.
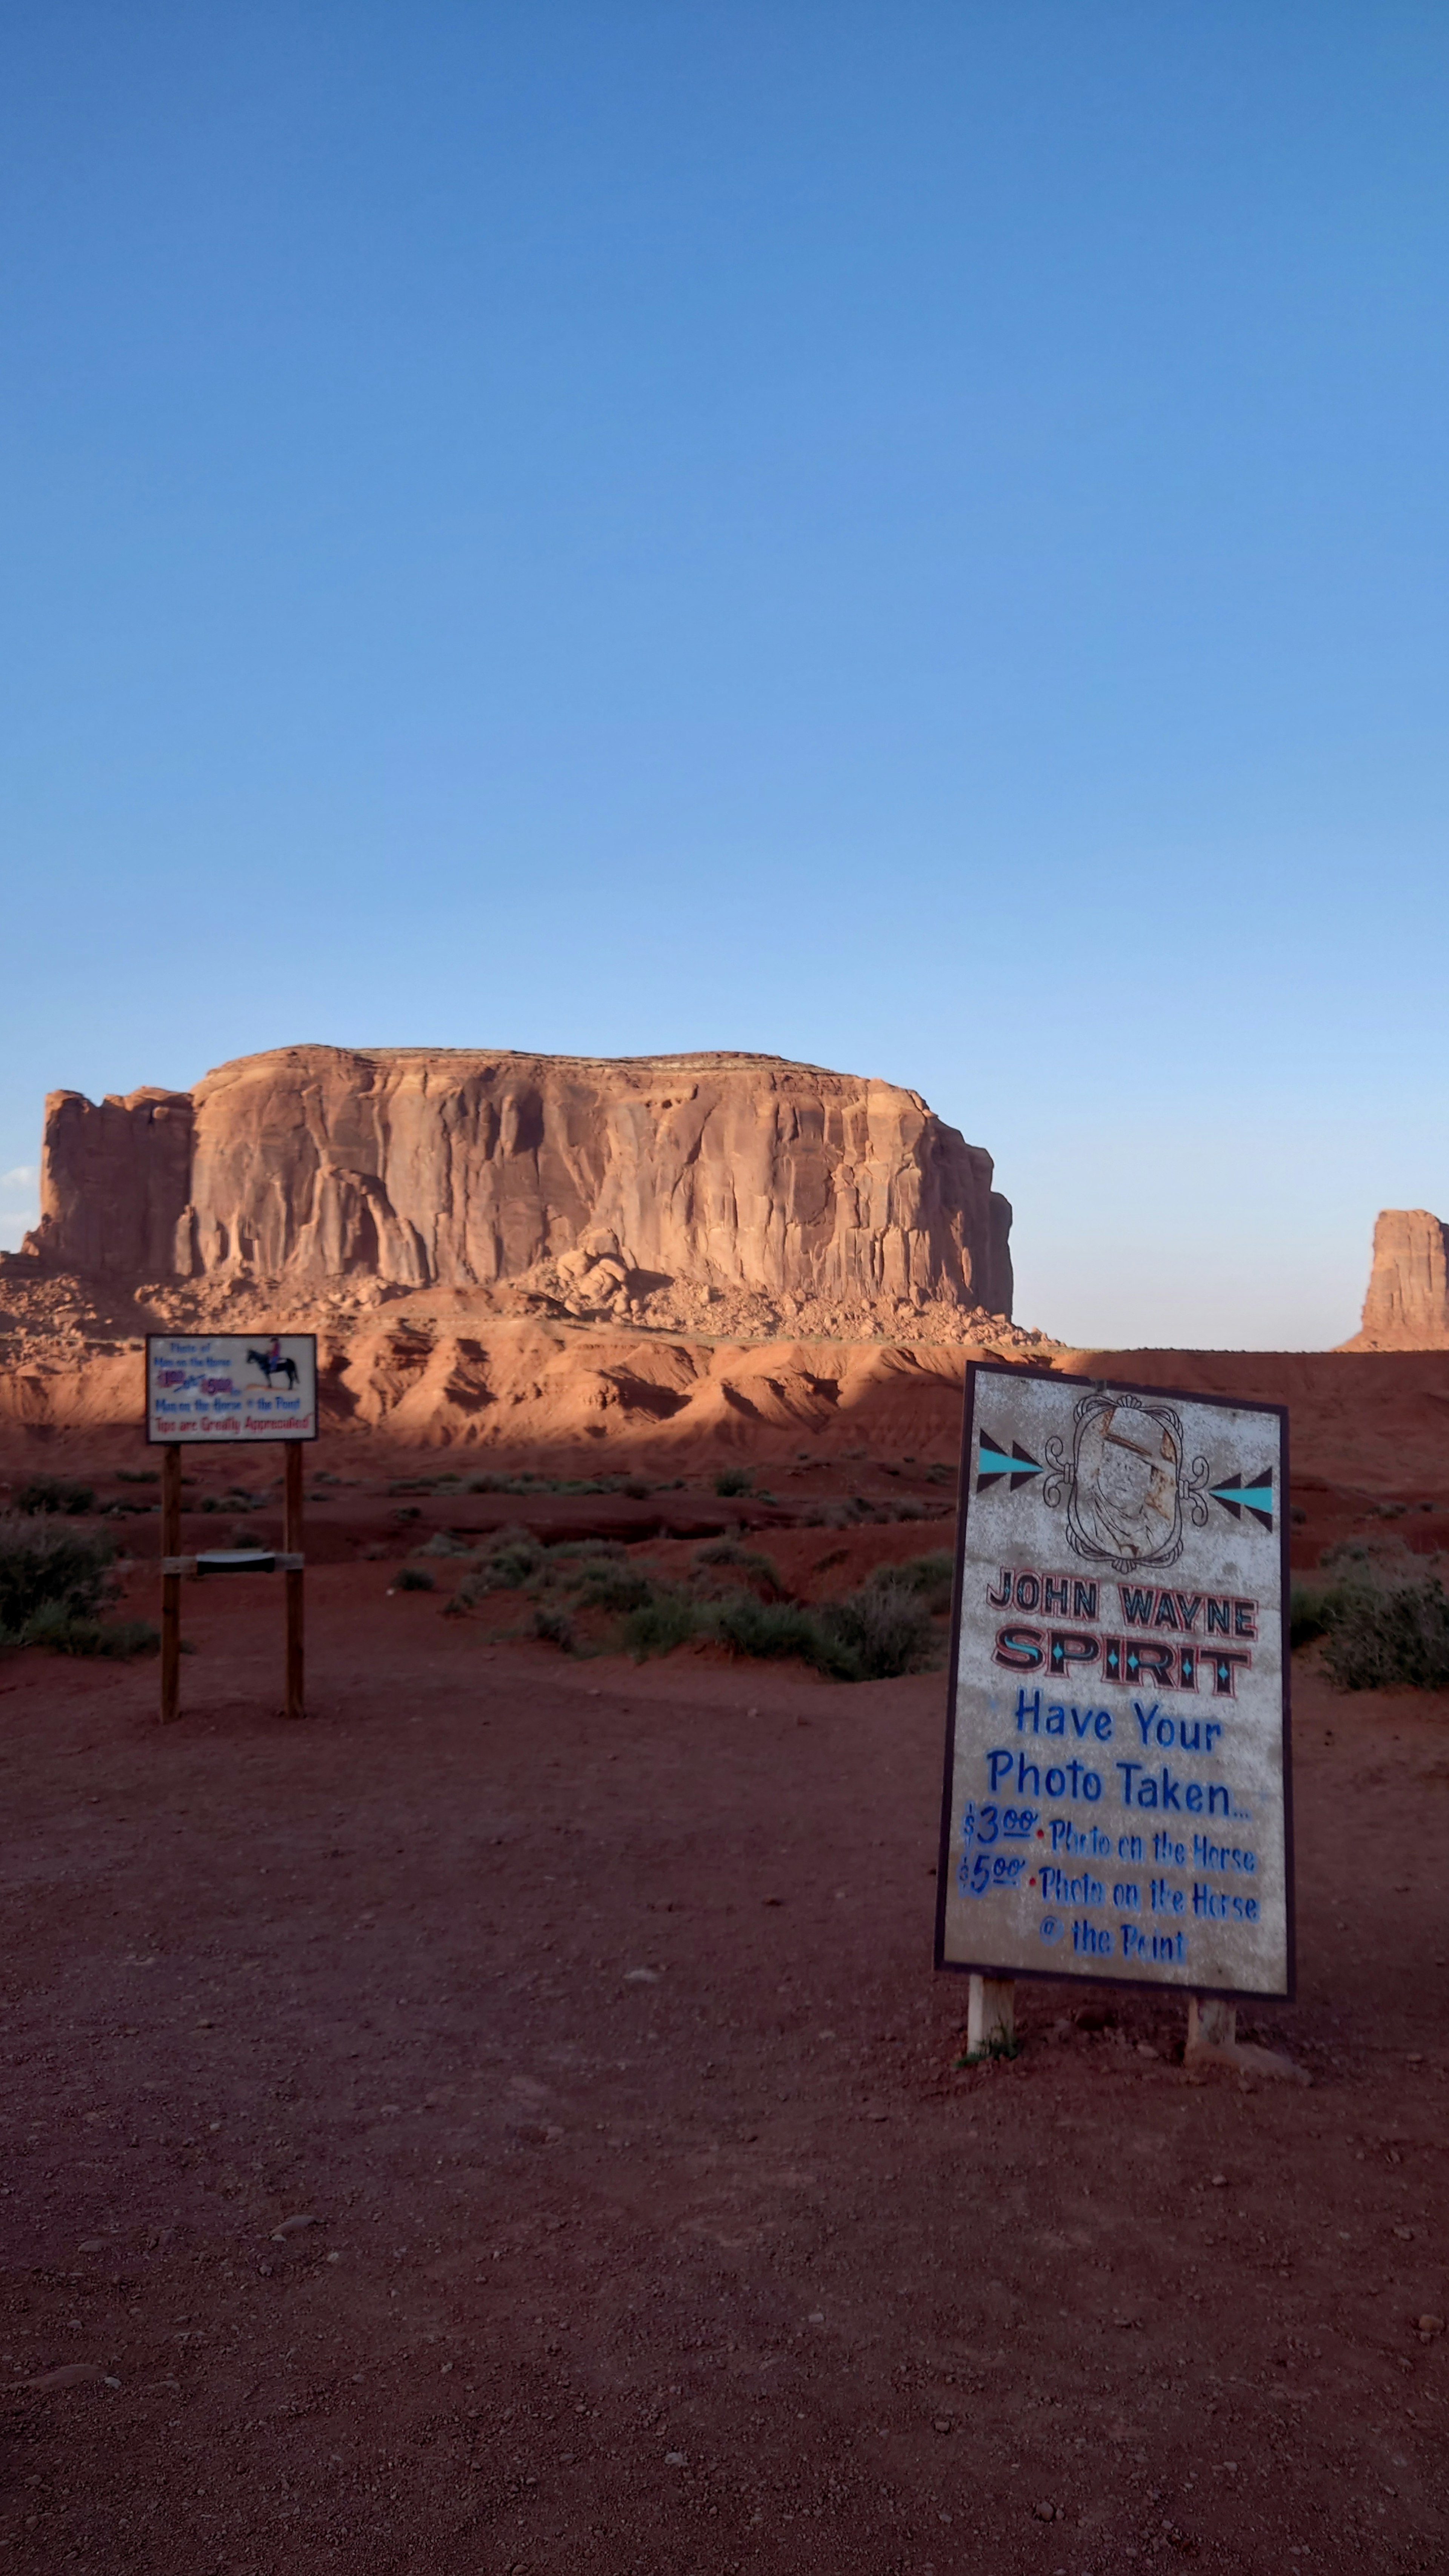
<point x="1312" y="1608"/>
<point x="605" y="1585"/>
<point x="512" y="1558"/>
<point x="443" y="1543"/>
<point x="52" y="1585"/>
<point x="772" y="1629"/>
<point x="577" y="1574"/>
<point x="932" y="1576"/>
<point x="1398" y="1634"/>
<point x="555" y="1626"/>
<point x="885" y="1628"/>
<point x="515" y="1552"/>
<point x="733" y="1480"/>
<point x="138" y="1475"/>
<point x="42" y="1566"/>
<point x="668" y="1618"/>
<point x="720" y="1551"/>
<point x="67" y="1632"/>
<point x="748" y="1561"/>
<point x="494" y="1481"/>
<point x="853" y="1511"/>
<point x="55" y="1494"/>
<point x="413" y="1578"/>
<point x="513" y="1561"/>
<point x="1382" y="1615"/>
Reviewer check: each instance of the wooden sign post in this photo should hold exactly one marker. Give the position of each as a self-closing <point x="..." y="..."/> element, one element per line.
<point x="225" y="1390"/>
<point x="292" y="1581"/>
<point x="170" y="1583"/>
<point x="1116" y="1805"/>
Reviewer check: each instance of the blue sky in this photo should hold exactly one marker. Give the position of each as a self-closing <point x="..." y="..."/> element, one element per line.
<point x="909" y="536"/>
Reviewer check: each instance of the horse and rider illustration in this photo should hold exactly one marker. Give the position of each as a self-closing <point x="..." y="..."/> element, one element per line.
<point x="273" y="1362"/>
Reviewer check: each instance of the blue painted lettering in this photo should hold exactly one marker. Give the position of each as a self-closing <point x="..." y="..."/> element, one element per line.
<point x="1165" y="1948"/>
<point x="1067" y="1780"/>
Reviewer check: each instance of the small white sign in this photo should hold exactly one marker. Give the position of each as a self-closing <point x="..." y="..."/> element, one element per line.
<point x="1117" y="1790"/>
<point x="231" y="1386"/>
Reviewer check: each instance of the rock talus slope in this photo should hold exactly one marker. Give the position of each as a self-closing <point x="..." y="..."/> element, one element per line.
<point x="468" y="1169"/>
<point x="1407" y="1305"/>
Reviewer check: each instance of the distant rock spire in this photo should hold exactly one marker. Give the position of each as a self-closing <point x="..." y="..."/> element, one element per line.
<point x="1407" y="1306"/>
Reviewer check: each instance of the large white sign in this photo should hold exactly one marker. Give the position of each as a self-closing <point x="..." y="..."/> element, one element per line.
<point x="1117" y="1792"/>
<point x="231" y="1386"/>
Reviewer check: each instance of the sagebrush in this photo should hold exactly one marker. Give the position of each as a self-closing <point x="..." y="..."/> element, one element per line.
<point x="1382" y="1615"/>
<point x="1395" y="1637"/>
<point x="55" y="1494"/>
<point x="734" y="1596"/>
<point x="54" y="1583"/>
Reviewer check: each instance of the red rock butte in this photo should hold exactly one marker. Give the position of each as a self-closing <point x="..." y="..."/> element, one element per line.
<point x="466" y="1168"/>
<point x="1407" y="1305"/>
<point x="671" y="1256"/>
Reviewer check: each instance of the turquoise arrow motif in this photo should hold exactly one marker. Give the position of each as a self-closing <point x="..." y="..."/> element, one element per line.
<point x="993" y="1462"/>
<point x="1253" y="1495"/>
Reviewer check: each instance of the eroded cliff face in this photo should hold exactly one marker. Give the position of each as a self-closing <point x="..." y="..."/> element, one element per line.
<point x="115" y="1177"/>
<point x="461" y="1169"/>
<point x="1407" y="1306"/>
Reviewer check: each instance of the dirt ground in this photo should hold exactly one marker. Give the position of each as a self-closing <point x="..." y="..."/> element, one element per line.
<point x="585" y="2015"/>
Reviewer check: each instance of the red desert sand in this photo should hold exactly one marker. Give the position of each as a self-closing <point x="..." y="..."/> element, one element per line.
<point x="508" y="2121"/>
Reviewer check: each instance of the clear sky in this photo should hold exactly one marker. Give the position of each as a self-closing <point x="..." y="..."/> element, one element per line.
<point x="910" y="535"/>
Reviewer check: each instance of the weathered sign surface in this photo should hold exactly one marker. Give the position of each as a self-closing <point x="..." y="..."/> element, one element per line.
<point x="1117" y="1793"/>
<point x="231" y="1386"/>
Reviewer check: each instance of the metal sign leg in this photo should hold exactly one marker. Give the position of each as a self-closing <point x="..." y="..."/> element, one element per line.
<point x="991" y="2017"/>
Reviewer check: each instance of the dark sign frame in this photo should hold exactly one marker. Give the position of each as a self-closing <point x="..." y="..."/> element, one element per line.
<point x="240" y="1440"/>
<point x="1102" y="1975"/>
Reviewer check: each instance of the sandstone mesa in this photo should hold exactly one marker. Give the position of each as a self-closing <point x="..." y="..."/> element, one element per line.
<point x="602" y="1183"/>
<point x="535" y="1254"/>
<point x="520" y="1251"/>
